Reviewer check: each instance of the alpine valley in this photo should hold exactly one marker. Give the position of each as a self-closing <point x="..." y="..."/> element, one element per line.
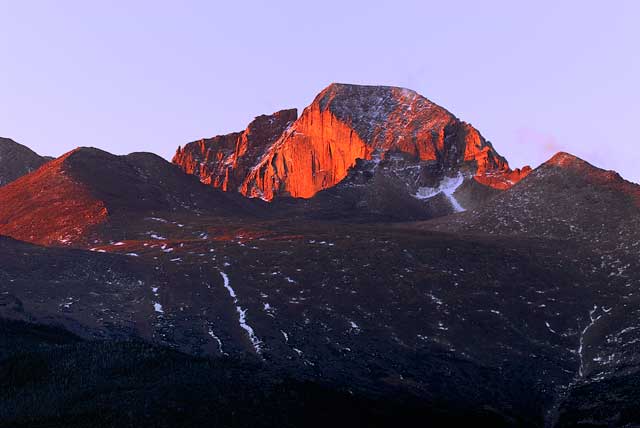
<point x="372" y="261"/>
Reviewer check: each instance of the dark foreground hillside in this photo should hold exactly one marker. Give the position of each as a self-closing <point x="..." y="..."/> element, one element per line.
<point x="133" y="294"/>
<point x="50" y="378"/>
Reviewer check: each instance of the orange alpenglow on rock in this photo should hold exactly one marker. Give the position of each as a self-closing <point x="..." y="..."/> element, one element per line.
<point x="344" y="123"/>
<point x="37" y="207"/>
<point x="224" y="161"/>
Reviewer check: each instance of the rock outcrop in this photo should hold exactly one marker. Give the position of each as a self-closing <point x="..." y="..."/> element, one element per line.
<point x="225" y="160"/>
<point x="343" y="124"/>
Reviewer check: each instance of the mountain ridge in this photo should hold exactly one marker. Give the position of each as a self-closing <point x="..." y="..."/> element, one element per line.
<point x="430" y="271"/>
<point x="65" y="199"/>
<point x="545" y="203"/>
<point x="17" y="160"/>
<point x="348" y="122"/>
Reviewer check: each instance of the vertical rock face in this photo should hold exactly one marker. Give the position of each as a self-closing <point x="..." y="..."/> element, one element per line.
<point x="225" y="160"/>
<point x="314" y="154"/>
<point x="17" y="160"/>
<point x="345" y="123"/>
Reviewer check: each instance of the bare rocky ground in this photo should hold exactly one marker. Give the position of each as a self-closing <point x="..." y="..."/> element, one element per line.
<point x="501" y="327"/>
<point x="138" y="296"/>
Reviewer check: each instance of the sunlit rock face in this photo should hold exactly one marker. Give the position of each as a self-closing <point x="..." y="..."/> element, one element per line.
<point x="225" y="160"/>
<point x="345" y="123"/>
<point x="314" y="154"/>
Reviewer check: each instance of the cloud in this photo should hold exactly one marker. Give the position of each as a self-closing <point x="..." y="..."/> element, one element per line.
<point x="542" y="143"/>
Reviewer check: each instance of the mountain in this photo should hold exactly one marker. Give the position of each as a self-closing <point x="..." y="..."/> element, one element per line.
<point x="421" y="144"/>
<point x="364" y="309"/>
<point x="224" y="161"/>
<point x="568" y="201"/>
<point x="162" y="300"/>
<point x="67" y="199"/>
<point x="564" y="198"/>
<point x="17" y="160"/>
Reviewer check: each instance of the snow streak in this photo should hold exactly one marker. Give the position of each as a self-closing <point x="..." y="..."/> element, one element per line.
<point x="242" y="315"/>
<point x="447" y="187"/>
<point x="581" y="348"/>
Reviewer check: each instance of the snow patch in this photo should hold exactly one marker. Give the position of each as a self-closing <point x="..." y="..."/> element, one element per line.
<point x="447" y="187"/>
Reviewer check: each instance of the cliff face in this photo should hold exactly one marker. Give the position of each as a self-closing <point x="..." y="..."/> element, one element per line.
<point x="314" y="154"/>
<point x="225" y="160"/>
<point x="345" y="123"/>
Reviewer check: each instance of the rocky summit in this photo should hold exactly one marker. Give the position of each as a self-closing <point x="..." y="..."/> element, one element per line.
<point x="280" y="156"/>
<point x="373" y="262"/>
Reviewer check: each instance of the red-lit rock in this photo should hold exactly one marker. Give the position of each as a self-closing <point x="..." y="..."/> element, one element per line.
<point x="345" y="123"/>
<point x="38" y="207"/>
<point x="593" y="175"/>
<point x="68" y="200"/>
<point x="225" y="160"/>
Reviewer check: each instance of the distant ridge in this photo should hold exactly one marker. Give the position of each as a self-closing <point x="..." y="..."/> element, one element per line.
<point x="17" y="160"/>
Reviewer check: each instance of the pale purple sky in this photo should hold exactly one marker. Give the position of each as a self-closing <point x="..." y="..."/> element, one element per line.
<point x="151" y="75"/>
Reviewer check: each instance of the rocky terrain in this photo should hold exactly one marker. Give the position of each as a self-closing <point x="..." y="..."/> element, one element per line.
<point x="224" y="161"/>
<point x="65" y="201"/>
<point x="17" y="160"/>
<point x="280" y="156"/>
<point x="386" y="281"/>
<point x="566" y="199"/>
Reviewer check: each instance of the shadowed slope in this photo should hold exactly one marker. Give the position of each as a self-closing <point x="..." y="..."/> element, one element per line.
<point x="565" y="198"/>
<point x="66" y="198"/>
<point x="17" y="160"/>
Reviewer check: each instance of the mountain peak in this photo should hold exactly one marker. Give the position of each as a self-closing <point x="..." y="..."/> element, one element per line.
<point x="336" y="87"/>
<point x="565" y="159"/>
<point x="570" y="167"/>
<point x="568" y="161"/>
<point x="366" y="104"/>
<point x="17" y="160"/>
<point x="300" y="156"/>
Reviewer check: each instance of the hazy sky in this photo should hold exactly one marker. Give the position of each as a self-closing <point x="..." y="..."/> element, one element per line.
<point x="151" y="75"/>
